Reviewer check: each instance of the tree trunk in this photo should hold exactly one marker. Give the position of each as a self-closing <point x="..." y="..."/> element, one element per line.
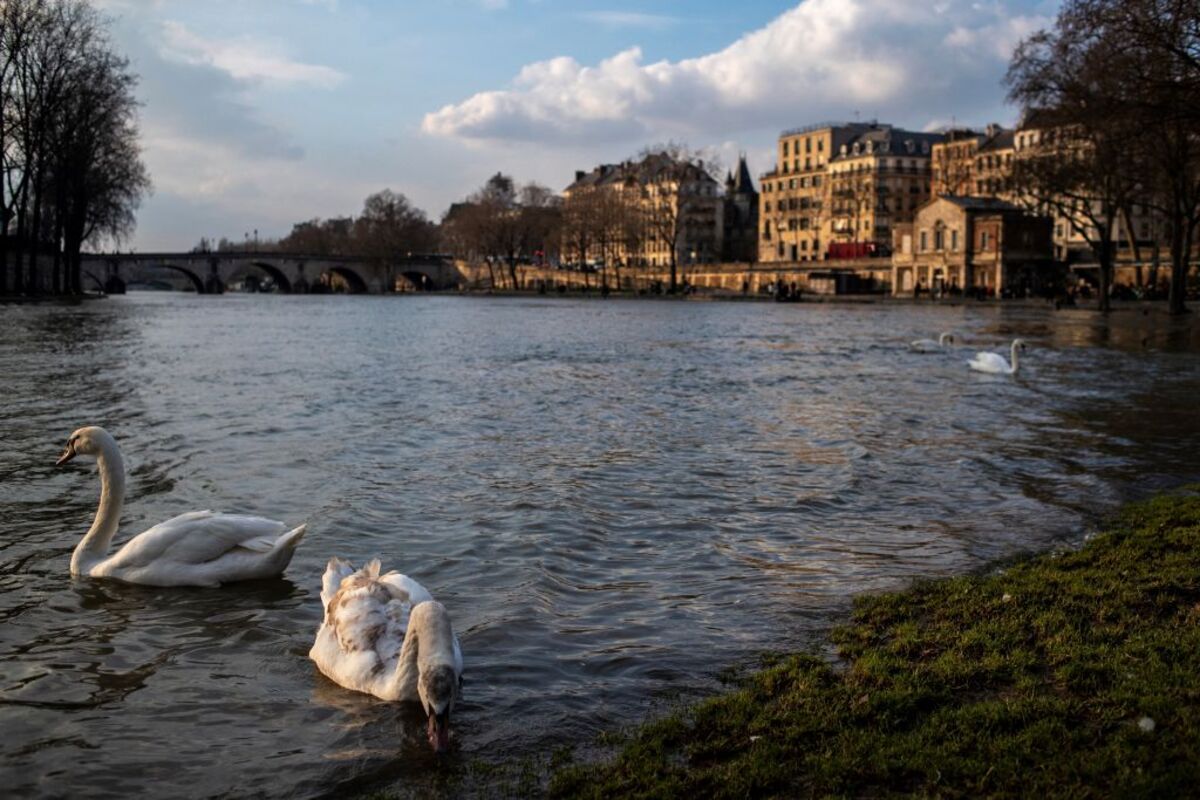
<point x="36" y="230"/>
<point x="1105" y="257"/>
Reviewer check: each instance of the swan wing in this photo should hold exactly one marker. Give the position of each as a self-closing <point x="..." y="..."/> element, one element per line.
<point x="923" y="345"/>
<point x="359" y="642"/>
<point x="407" y="588"/>
<point x="989" y="362"/>
<point x="335" y="572"/>
<point x="198" y="537"/>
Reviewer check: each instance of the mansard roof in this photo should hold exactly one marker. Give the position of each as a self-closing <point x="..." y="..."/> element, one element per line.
<point x="886" y="140"/>
<point x="971" y="203"/>
<point x="644" y="171"/>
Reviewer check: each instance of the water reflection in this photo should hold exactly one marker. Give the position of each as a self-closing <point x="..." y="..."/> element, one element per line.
<point x="614" y="499"/>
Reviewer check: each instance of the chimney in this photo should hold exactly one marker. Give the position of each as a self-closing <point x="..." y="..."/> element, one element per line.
<point x="992" y="130"/>
<point x="579" y="175"/>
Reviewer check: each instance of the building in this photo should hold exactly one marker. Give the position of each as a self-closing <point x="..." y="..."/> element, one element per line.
<point x="838" y="189"/>
<point x="970" y="163"/>
<point x="794" y="201"/>
<point x="740" y="239"/>
<point x="643" y="214"/>
<point x="977" y="245"/>
<point x="878" y="180"/>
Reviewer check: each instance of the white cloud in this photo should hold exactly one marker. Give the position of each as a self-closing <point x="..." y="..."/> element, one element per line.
<point x="629" y="19"/>
<point x="246" y="59"/>
<point x="823" y="58"/>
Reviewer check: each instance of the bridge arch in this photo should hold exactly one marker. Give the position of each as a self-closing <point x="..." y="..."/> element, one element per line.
<point x="354" y="282"/>
<point x="99" y="283"/>
<point x="418" y="280"/>
<point x="245" y="269"/>
<point x="196" y="280"/>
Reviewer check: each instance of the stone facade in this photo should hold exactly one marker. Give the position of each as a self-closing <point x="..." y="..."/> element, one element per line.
<point x="978" y="245"/>
<point x="740" y="239"/>
<point x="634" y="213"/>
<point x="837" y="190"/>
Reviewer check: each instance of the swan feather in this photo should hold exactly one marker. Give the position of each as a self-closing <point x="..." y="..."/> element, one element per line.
<point x="364" y="629"/>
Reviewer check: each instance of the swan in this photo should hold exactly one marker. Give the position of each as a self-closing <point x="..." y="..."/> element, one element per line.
<point x="386" y="636"/>
<point x="199" y="548"/>
<point x="994" y="363"/>
<point x="929" y="345"/>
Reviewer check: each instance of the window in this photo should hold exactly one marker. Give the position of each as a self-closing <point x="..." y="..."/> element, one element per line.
<point x="939" y="239"/>
<point x="820" y="145"/>
<point x="924" y="241"/>
<point x="808" y="145"/>
<point x="767" y="206"/>
<point x="785" y="149"/>
<point x="795" y="255"/>
<point x="983" y="240"/>
<point x="954" y="240"/>
<point x="781" y="249"/>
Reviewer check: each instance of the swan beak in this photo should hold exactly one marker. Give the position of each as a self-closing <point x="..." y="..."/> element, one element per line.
<point x="67" y="454"/>
<point x="439" y="731"/>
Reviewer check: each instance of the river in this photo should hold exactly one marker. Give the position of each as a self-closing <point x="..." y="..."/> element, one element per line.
<point x="614" y="499"/>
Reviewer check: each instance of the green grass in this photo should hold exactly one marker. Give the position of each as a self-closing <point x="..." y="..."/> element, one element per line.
<point x="1029" y="681"/>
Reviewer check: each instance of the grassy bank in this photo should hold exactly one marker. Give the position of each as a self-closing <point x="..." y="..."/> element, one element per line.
<point x="1072" y="675"/>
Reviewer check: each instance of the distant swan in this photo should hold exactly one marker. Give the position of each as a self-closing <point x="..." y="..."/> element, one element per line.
<point x="199" y="548"/>
<point x="994" y="363"/>
<point x="386" y="636"/>
<point x="929" y="345"/>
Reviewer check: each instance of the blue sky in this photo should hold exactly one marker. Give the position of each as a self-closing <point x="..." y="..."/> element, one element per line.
<point x="261" y="113"/>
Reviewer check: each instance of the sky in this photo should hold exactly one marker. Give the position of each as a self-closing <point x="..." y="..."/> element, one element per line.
<point x="257" y="114"/>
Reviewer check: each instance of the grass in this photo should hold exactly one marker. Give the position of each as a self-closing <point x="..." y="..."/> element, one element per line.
<point x="1065" y="675"/>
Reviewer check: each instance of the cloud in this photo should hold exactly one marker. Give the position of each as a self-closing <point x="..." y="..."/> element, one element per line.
<point x="905" y="59"/>
<point x="246" y="59"/>
<point x="629" y="19"/>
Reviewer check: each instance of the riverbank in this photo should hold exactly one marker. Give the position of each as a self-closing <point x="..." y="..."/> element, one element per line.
<point x="1068" y="674"/>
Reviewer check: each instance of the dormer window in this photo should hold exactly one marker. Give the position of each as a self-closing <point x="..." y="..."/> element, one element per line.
<point x="910" y="145"/>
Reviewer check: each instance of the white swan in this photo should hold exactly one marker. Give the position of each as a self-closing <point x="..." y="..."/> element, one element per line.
<point x="994" y="363"/>
<point x="199" y="548"/>
<point x="929" y="345"/>
<point x="386" y="636"/>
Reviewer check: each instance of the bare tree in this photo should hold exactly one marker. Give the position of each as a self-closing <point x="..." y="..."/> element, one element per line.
<point x="69" y="156"/>
<point x="1125" y="76"/>
<point x="675" y="183"/>
<point x="1081" y="161"/>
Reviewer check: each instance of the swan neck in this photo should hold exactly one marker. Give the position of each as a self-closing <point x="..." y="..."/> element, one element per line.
<point x="408" y="670"/>
<point x="95" y="543"/>
<point x="1014" y="358"/>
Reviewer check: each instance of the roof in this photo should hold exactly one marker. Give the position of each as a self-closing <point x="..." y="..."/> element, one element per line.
<point x="741" y="182"/>
<point x="980" y="203"/>
<point x="644" y="171"/>
<point x="885" y="139"/>
<point x="1002" y="140"/>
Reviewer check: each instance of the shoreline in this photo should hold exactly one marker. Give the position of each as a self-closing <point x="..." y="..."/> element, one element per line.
<point x="1067" y="674"/>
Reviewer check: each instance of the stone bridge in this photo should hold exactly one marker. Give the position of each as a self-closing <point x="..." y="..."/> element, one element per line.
<point x="212" y="273"/>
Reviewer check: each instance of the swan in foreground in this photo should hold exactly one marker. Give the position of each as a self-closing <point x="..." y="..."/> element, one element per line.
<point x="994" y="363"/>
<point x="199" y="548"/>
<point x="386" y="636"/>
<point x="929" y="345"/>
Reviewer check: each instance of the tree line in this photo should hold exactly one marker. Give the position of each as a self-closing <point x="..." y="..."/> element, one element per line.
<point x="70" y="162"/>
<point x="1112" y="95"/>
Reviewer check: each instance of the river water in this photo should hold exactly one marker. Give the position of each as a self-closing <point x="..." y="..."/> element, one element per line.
<point x="614" y="499"/>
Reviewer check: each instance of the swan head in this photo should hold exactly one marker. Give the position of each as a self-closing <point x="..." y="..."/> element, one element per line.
<point x="1020" y="344"/>
<point x="437" y="688"/>
<point x="89" y="441"/>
